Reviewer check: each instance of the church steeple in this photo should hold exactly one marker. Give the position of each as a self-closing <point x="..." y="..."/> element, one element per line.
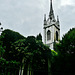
<point x="51" y="14"/>
<point x="51" y="29"/>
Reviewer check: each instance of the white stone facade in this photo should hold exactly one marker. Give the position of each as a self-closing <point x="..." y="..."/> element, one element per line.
<point x="51" y="29"/>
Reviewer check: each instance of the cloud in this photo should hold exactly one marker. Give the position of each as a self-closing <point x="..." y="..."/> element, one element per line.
<point x="67" y="18"/>
<point x="67" y="2"/>
<point x="26" y="16"/>
<point x="16" y="14"/>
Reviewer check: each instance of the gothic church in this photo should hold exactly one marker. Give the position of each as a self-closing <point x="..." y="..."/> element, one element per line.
<point x="51" y="28"/>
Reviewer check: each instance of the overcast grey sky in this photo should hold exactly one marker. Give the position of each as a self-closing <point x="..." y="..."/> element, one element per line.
<point x="26" y="16"/>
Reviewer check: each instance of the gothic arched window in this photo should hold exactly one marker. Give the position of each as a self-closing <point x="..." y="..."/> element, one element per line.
<point x="56" y="35"/>
<point x="48" y="35"/>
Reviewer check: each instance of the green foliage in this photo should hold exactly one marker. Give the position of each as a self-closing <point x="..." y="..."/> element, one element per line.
<point x="64" y="61"/>
<point x="1" y="48"/>
<point x="1" y="51"/>
<point x="54" y="53"/>
<point x="30" y="49"/>
<point x="33" y="51"/>
<point x="67" y="44"/>
<point x="7" y="67"/>
<point x="3" y="62"/>
<point x="39" y="37"/>
<point x="9" y="37"/>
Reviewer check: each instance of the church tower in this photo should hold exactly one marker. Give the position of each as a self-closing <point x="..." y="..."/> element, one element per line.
<point x="51" y="29"/>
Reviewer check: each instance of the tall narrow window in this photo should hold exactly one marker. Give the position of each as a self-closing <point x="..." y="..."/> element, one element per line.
<point x="56" y="36"/>
<point x="48" y="35"/>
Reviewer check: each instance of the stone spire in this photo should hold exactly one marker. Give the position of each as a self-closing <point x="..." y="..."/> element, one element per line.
<point x="51" y="14"/>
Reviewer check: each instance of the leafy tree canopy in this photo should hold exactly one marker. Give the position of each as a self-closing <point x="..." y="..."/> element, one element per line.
<point x="8" y="37"/>
<point x="64" y="61"/>
<point x="1" y="48"/>
<point x="39" y="37"/>
<point x="32" y="50"/>
<point x="67" y="44"/>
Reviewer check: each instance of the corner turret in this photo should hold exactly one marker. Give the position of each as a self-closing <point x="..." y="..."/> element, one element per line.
<point x="58" y="21"/>
<point x="45" y="19"/>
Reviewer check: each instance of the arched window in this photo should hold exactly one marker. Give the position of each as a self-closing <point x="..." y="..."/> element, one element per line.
<point x="56" y="36"/>
<point x="48" y="35"/>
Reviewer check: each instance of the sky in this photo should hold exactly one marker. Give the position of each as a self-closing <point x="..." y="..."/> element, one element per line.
<point x="26" y="16"/>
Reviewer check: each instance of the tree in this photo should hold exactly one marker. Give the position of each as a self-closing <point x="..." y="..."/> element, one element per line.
<point x="8" y="67"/>
<point x="32" y="52"/>
<point x="29" y="51"/>
<point x="67" y="44"/>
<point x="9" y="37"/>
<point x="64" y="61"/>
<point x="1" y="48"/>
<point x="39" y="37"/>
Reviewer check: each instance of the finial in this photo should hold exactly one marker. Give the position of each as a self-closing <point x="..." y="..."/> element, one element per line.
<point x="44" y="17"/>
<point x="51" y="1"/>
<point x="57" y="18"/>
